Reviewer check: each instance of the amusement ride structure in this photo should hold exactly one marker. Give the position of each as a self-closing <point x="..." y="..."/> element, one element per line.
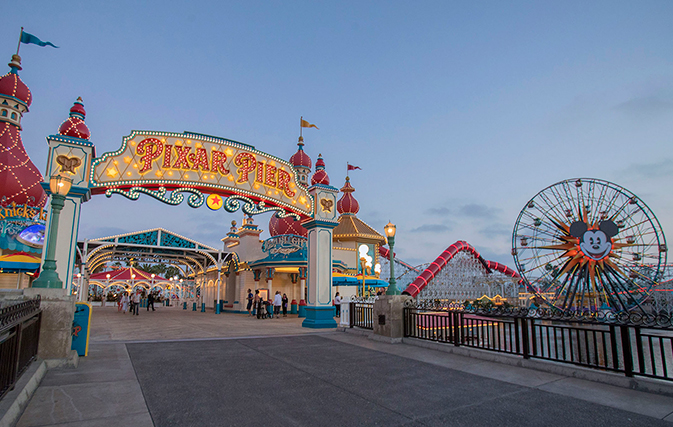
<point x="589" y="244"/>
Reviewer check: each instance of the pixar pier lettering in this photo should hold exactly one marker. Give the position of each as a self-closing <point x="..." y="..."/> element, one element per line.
<point x="183" y="157"/>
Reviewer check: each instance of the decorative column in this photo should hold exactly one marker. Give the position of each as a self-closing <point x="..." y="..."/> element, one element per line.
<point x="294" y="277"/>
<point x="256" y="274"/>
<point x="319" y="308"/>
<point x="303" y="274"/>
<point x="70" y="155"/>
<point x="218" y="306"/>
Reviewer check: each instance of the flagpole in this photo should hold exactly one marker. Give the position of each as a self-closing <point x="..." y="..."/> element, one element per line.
<point x="20" y="36"/>
<point x="300" y="129"/>
<point x="347" y="168"/>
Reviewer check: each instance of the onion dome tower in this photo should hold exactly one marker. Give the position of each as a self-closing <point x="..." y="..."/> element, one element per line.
<point x="19" y="178"/>
<point x="347" y="203"/>
<point x="351" y="228"/>
<point x="320" y="175"/>
<point x="74" y="125"/>
<point x="302" y="163"/>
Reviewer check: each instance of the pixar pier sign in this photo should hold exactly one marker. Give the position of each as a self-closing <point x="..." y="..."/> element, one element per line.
<point x="155" y="162"/>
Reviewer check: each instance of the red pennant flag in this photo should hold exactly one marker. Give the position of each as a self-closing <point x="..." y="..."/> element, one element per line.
<point x="352" y="168"/>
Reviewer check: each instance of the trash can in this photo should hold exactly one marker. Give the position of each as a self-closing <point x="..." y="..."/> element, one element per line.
<point x="81" y="326"/>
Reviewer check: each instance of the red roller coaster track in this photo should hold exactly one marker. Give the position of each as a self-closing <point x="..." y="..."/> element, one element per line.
<point x="437" y="265"/>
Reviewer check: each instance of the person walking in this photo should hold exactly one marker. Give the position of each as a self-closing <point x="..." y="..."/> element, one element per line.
<point x="337" y="304"/>
<point x="258" y="303"/>
<point x="125" y="303"/>
<point x="284" y="305"/>
<point x="150" y="301"/>
<point x="250" y="297"/>
<point x="136" y="303"/>
<point x="119" y="302"/>
<point x="277" y="302"/>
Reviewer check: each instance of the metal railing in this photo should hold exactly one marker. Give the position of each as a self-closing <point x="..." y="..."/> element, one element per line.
<point x="19" y="337"/>
<point x="362" y="314"/>
<point x="633" y="344"/>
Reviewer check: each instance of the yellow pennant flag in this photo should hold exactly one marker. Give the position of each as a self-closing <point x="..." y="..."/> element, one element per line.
<point x="306" y="124"/>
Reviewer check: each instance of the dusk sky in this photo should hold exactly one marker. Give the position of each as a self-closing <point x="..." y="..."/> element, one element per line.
<point x="458" y="113"/>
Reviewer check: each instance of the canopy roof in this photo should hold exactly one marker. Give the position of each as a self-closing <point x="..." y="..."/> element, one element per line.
<point x="154" y="246"/>
<point x="339" y="279"/>
<point x="126" y="274"/>
<point x="19" y="261"/>
<point x="352" y="228"/>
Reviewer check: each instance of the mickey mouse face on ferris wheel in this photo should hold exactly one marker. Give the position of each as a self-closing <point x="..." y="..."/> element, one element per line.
<point x="595" y="244"/>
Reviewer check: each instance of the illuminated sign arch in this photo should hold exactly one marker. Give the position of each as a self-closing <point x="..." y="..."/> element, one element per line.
<point x="165" y="165"/>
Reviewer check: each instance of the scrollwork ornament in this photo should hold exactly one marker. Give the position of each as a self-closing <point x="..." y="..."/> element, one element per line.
<point x="249" y="207"/>
<point x="195" y="200"/>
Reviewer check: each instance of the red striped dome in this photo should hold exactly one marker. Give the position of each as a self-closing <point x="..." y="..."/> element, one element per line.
<point x="320" y="176"/>
<point x="74" y="126"/>
<point x="347" y="204"/>
<point x="301" y="159"/>
<point x="287" y="225"/>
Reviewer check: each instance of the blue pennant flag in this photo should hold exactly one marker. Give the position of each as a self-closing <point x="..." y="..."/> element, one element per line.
<point x="31" y="39"/>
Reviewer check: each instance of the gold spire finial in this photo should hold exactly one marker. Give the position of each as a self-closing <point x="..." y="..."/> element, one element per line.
<point x="16" y="62"/>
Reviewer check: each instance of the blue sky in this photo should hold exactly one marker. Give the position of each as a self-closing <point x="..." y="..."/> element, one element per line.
<point x="457" y="112"/>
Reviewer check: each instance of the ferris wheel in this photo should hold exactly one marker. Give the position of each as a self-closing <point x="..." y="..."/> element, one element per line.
<point x="589" y="244"/>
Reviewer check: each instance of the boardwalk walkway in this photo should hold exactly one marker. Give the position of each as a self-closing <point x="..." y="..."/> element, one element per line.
<point x="182" y="368"/>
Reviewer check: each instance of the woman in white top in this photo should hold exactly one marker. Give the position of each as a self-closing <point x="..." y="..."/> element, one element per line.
<point x="277" y="302"/>
<point x="125" y="303"/>
<point x="337" y="304"/>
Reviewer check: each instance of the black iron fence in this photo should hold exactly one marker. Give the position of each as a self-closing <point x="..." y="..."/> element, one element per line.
<point x="19" y="336"/>
<point x="632" y="343"/>
<point x="362" y="314"/>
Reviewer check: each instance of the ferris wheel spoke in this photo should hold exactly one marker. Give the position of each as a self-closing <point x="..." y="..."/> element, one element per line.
<point x="551" y="205"/>
<point x="620" y="288"/>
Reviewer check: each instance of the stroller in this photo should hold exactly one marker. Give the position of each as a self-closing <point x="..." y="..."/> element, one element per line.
<point x="269" y="309"/>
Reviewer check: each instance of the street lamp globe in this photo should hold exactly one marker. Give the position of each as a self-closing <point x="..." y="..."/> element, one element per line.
<point x="60" y="185"/>
<point x="390" y="230"/>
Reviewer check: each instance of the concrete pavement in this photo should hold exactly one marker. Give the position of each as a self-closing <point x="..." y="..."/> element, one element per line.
<point x="183" y="368"/>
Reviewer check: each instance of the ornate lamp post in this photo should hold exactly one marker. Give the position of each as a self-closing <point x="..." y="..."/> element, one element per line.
<point x="365" y="262"/>
<point x="390" y="234"/>
<point x="59" y="186"/>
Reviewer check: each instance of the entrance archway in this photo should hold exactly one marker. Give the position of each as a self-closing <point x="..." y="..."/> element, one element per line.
<point x="217" y="172"/>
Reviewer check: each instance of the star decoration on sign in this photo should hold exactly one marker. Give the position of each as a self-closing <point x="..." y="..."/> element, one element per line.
<point x="214" y="201"/>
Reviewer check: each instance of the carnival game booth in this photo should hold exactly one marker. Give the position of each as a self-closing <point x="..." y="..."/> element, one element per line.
<point x="18" y="270"/>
